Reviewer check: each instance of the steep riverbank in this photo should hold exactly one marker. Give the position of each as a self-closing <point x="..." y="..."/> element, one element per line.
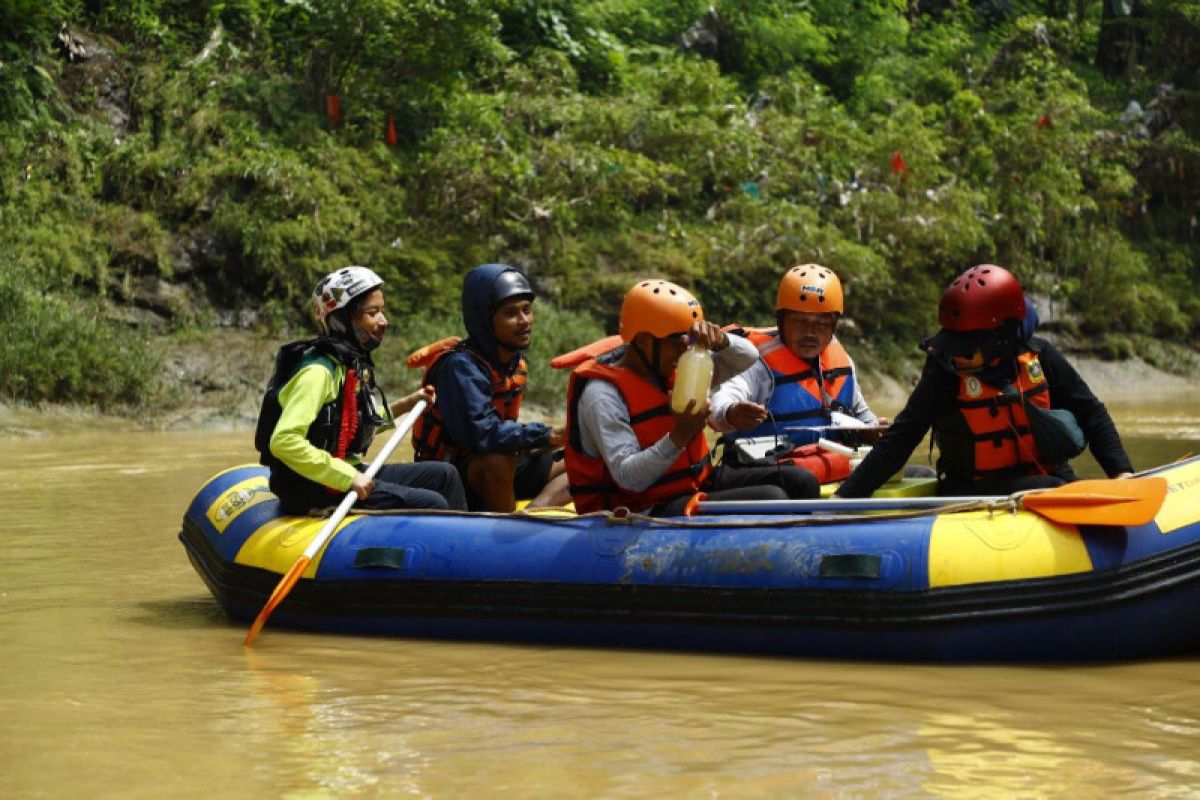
<point x="215" y="380"/>
<point x="1111" y="381"/>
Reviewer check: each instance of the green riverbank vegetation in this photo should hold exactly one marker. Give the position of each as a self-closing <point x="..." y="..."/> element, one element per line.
<point x="168" y="167"/>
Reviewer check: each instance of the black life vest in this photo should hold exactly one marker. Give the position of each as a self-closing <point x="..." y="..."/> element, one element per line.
<point x="344" y="427"/>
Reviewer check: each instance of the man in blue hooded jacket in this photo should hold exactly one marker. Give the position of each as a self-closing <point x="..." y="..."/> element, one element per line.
<point x="479" y="384"/>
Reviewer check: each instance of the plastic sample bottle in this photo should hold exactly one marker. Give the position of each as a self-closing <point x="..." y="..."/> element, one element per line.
<point x="693" y="377"/>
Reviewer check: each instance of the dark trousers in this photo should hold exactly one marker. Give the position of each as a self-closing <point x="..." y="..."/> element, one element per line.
<point x="427" y="484"/>
<point x="999" y="486"/>
<point x="424" y="484"/>
<point x="1006" y="484"/>
<point x="780" y="482"/>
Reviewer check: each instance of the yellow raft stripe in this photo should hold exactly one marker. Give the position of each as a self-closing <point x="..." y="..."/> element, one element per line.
<point x="979" y="547"/>
<point x="1183" y="497"/>
<point x="278" y="543"/>
<point x="907" y="487"/>
<point x="236" y="499"/>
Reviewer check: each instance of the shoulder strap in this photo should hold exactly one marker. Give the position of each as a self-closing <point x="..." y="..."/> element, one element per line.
<point x="425" y="356"/>
<point x="584" y="354"/>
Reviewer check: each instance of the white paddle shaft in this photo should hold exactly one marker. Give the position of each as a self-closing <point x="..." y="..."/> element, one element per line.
<point x="344" y="507"/>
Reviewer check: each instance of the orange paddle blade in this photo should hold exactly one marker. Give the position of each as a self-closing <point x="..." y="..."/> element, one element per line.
<point x="1128" y="501"/>
<point x="280" y="592"/>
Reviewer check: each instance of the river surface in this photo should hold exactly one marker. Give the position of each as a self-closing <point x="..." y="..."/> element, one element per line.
<point x="122" y="679"/>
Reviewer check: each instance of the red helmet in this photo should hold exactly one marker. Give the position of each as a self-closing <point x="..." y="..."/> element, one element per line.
<point x="982" y="298"/>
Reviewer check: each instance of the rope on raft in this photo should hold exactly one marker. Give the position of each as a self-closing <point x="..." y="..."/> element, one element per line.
<point x="561" y="515"/>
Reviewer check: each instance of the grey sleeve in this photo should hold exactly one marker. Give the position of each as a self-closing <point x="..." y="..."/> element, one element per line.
<point x="754" y="385"/>
<point x="858" y="404"/>
<point x="605" y="431"/>
<point x="739" y="356"/>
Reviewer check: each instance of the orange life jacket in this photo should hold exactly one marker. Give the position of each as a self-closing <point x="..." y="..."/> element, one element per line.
<point x="802" y="397"/>
<point x="998" y="438"/>
<point x="592" y="486"/>
<point x="579" y="355"/>
<point x="430" y="440"/>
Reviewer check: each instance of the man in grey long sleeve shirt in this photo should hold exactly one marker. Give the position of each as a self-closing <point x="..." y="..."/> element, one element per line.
<point x="625" y="447"/>
<point x="607" y="421"/>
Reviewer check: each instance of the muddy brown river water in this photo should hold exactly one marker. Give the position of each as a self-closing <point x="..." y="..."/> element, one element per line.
<point x="122" y="679"/>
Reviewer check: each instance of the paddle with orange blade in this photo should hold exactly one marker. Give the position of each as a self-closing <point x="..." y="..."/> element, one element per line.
<point x="1124" y="502"/>
<point x="293" y="575"/>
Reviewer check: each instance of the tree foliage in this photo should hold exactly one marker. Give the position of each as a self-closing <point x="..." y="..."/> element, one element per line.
<point x="244" y="147"/>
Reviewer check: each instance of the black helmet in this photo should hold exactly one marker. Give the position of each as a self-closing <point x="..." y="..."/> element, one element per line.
<point x="509" y="284"/>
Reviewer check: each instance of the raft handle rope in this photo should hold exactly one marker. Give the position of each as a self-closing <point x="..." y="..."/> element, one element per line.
<point x="623" y="516"/>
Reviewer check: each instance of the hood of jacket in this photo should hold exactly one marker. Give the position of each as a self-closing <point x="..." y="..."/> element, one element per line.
<point x="477" y="311"/>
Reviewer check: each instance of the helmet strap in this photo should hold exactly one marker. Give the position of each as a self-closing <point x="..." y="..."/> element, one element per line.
<point x="337" y="323"/>
<point x="651" y="365"/>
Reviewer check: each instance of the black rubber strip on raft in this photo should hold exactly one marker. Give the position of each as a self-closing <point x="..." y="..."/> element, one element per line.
<point x="235" y="585"/>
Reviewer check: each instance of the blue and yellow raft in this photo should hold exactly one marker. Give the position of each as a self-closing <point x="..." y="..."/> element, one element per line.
<point x="976" y="586"/>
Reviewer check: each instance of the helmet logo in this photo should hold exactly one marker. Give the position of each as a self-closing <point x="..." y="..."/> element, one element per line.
<point x="814" y="289"/>
<point x="331" y="297"/>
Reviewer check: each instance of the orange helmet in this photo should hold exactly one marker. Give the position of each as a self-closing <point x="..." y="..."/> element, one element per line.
<point x="659" y="308"/>
<point x="811" y="288"/>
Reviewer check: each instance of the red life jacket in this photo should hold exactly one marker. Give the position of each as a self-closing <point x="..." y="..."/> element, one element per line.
<point x="999" y="439"/>
<point x="430" y="440"/>
<point x="592" y="486"/>
<point x="828" y="466"/>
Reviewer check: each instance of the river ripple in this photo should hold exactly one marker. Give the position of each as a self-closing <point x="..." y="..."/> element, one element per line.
<point x="123" y="679"/>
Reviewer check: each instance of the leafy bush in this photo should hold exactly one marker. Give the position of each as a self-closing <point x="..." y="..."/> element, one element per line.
<point x="64" y="350"/>
<point x="897" y="143"/>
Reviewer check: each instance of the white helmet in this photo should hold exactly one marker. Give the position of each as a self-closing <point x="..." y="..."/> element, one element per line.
<point x="337" y="289"/>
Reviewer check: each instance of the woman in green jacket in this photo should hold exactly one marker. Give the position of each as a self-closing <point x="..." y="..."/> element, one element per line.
<point x="322" y="408"/>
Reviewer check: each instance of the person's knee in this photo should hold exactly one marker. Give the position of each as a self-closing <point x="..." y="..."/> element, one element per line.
<point x="436" y="502"/>
<point x="447" y="473"/>
<point x="1042" y="482"/>
<point x="773" y="493"/>
<point x="491" y="467"/>
<point x="798" y="483"/>
<point x="425" y="499"/>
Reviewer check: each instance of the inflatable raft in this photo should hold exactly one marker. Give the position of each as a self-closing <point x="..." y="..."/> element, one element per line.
<point x="989" y="585"/>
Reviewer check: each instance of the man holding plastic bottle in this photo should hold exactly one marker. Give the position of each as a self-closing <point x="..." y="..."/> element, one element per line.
<point x="625" y="446"/>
